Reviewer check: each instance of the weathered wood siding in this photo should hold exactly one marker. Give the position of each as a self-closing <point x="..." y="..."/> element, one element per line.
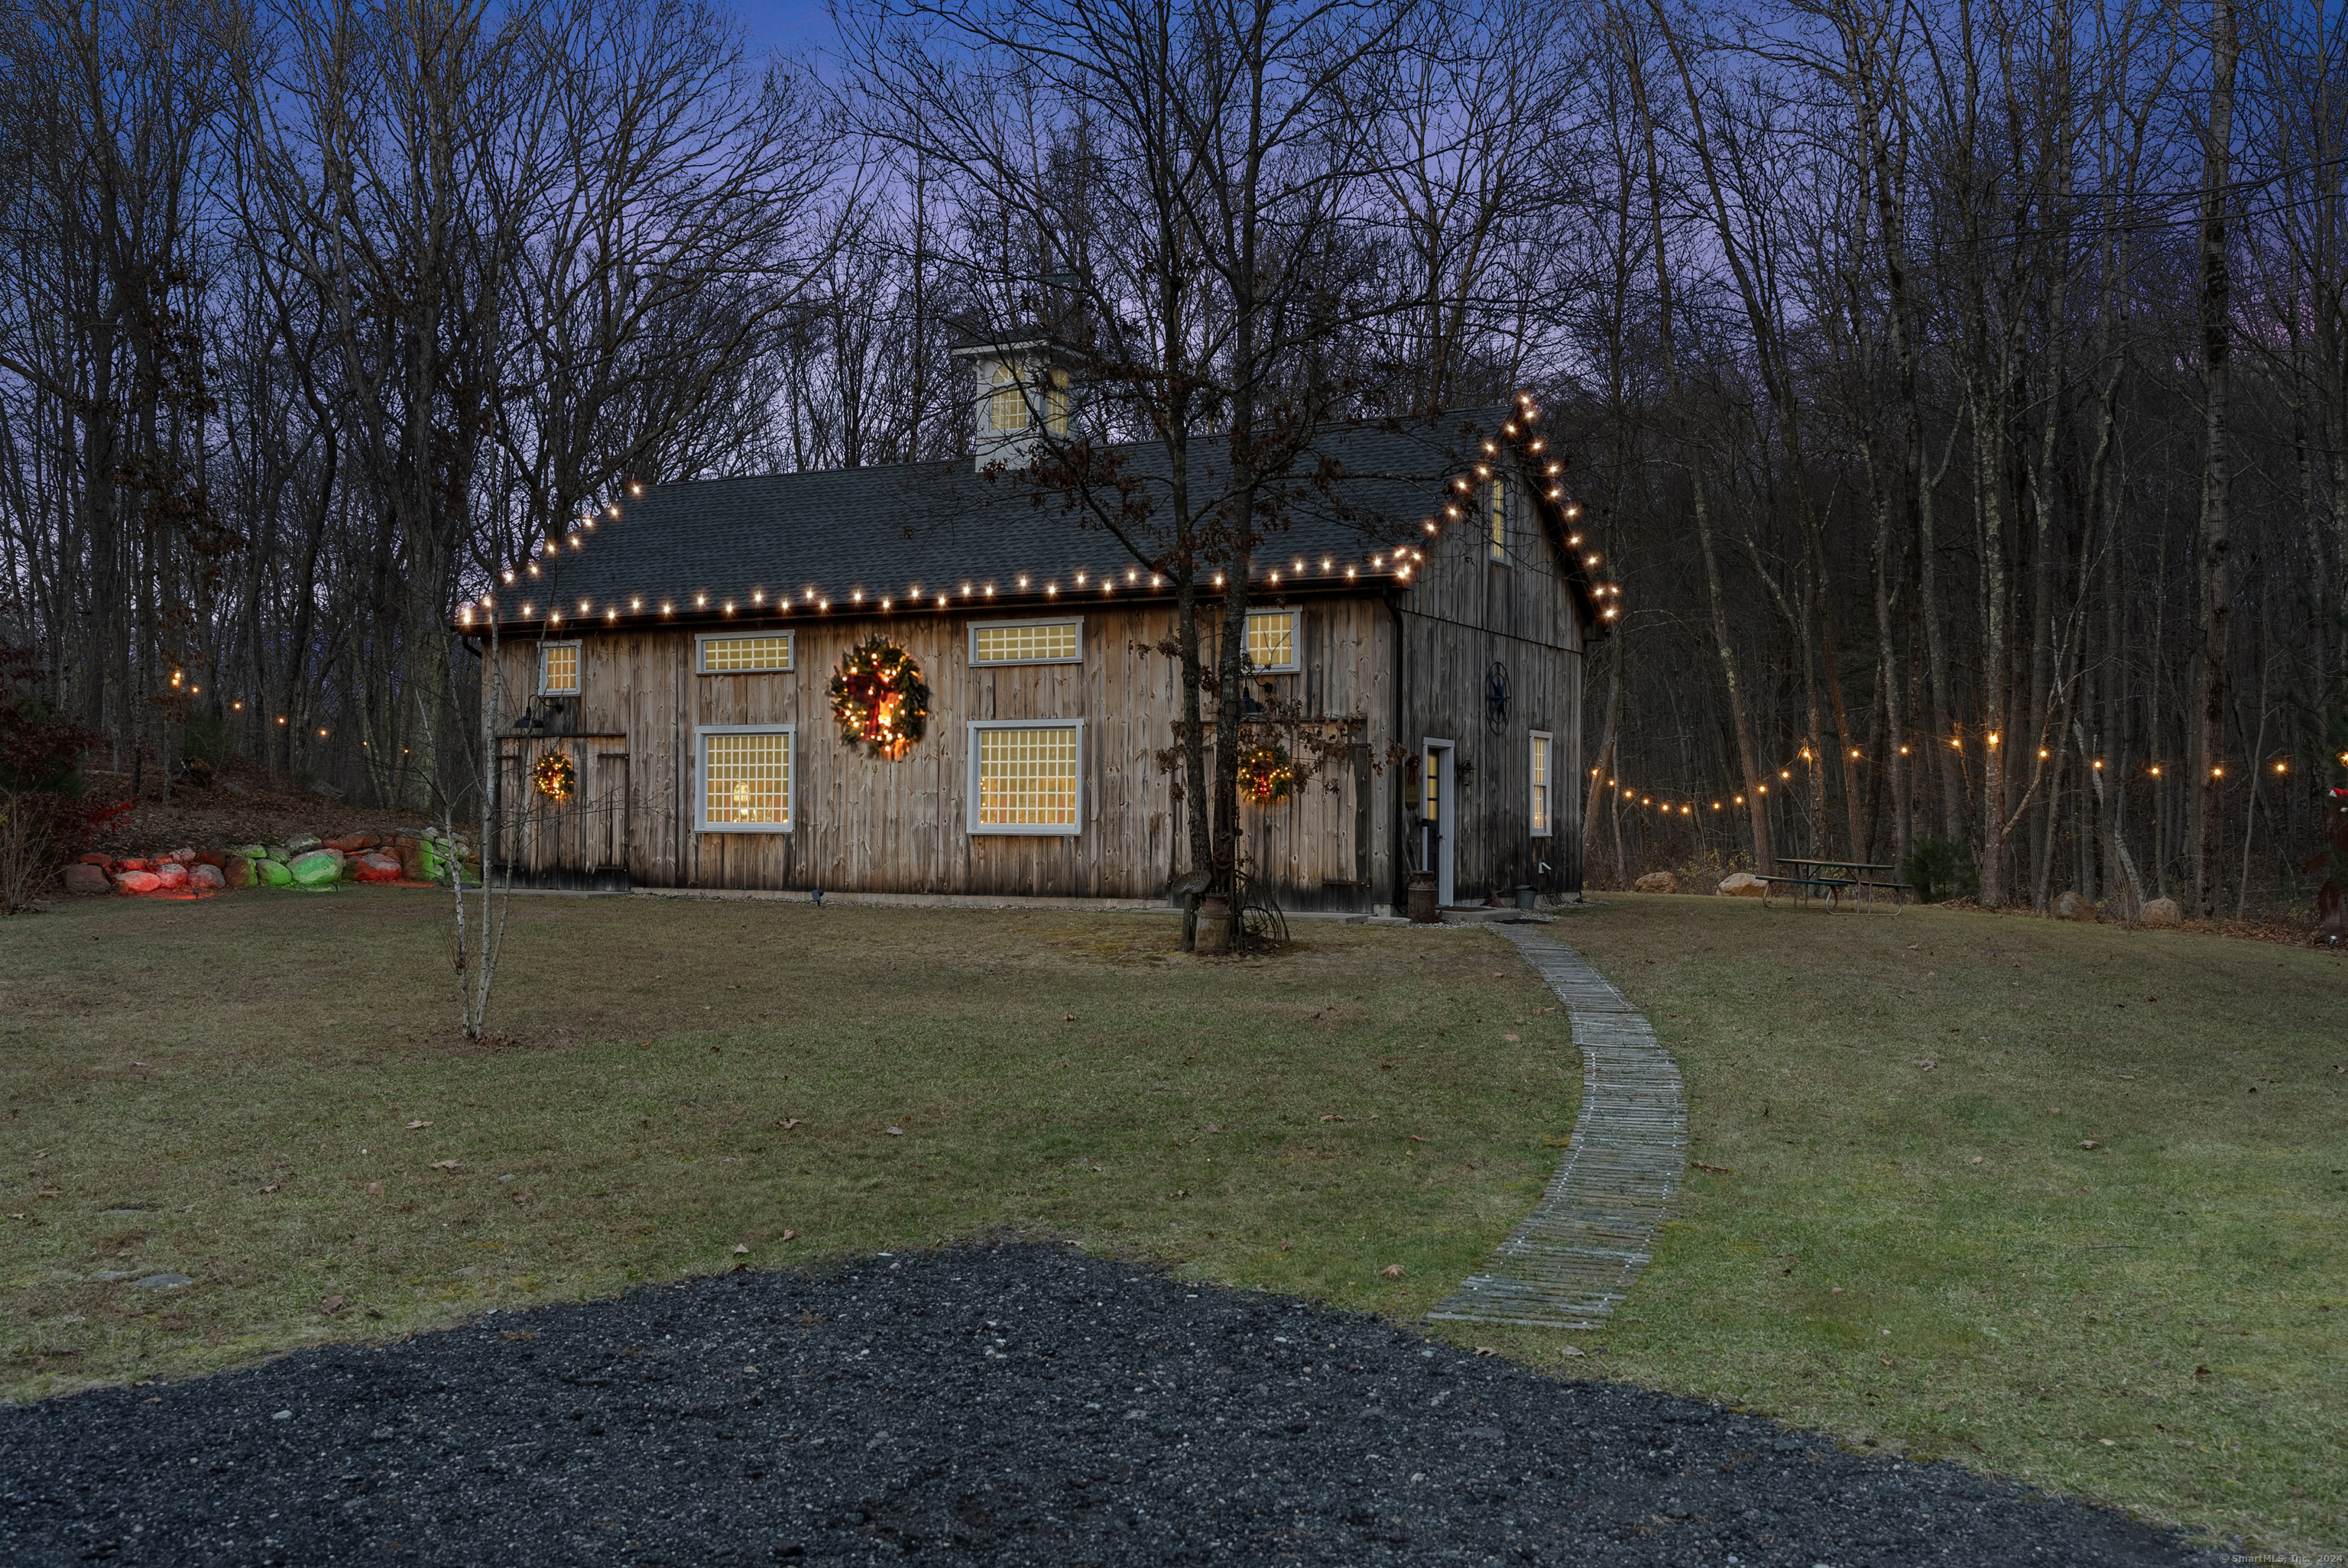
<point x="1467" y="614"/>
<point x="863" y="825"/>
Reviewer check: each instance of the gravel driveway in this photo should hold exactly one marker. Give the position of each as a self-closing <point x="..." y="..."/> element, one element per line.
<point x="1014" y="1404"/>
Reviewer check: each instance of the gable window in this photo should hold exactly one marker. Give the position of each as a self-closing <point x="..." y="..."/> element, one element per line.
<point x="1272" y="639"/>
<point x="1024" y="776"/>
<point x="1541" y="759"/>
<point x="1498" y="525"/>
<point x="557" y="668"/>
<point x="766" y="652"/>
<point x="1027" y="643"/>
<point x="745" y="778"/>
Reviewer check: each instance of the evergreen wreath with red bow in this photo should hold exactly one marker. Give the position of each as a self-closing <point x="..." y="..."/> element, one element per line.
<point x="879" y="700"/>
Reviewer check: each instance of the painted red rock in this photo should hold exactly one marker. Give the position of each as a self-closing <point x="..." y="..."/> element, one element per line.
<point x="377" y="869"/>
<point x="182" y="854"/>
<point x="138" y="865"/>
<point x="86" y="878"/>
<point x="352" y="843"/>
<point x="171" y="876"/>
<point x="131" y="884"/>
<point x="206" y="878"/>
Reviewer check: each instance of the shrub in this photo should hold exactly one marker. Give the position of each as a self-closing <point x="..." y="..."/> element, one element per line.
<point x="1940" y="869"/>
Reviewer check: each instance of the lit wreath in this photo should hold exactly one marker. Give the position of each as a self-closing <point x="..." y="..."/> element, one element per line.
<point x="879" y="700"/>
<point x="1267" y="776"/>
<point x="554" y="776"/>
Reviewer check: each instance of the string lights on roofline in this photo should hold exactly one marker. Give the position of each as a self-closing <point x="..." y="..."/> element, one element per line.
<point x="1399" y="563"/>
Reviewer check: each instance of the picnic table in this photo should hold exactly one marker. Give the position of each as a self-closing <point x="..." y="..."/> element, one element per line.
<point x="1812" y="878"/>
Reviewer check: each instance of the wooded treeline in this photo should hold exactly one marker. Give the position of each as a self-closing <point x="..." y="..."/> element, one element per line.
<point x="1958" y="392"/>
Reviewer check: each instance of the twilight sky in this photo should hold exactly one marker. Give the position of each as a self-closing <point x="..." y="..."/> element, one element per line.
<point x="791" y="25"/>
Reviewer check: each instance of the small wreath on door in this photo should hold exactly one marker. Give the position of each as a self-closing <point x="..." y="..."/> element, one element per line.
<point x="555" y="777"/>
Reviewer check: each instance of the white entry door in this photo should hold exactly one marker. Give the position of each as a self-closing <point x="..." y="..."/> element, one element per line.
<point x="1436" y="836"/>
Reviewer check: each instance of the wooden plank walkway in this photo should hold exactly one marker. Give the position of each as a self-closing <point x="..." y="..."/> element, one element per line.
<point x="1576" y="1255"/>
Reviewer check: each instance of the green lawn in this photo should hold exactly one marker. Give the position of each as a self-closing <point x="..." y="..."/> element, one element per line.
<point x="2155" y="1321"/>
<point x="238" y="1073"/>
<point x="1926" y="1256"/>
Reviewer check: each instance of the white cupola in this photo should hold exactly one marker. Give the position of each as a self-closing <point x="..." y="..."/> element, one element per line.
<point x="1022" y="391"/>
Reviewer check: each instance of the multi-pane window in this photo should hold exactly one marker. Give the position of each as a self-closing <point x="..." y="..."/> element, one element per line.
<point x="1541" y="783"/>
<point x="1006" y="401"/>
<point x="1024" y="777"/>
<point x="557" y="668"/>
<point x="745" y="655"/>
<point x="1272" y="639"/>
<point x="746" y="779"/>
<point x="1026" y="642"/>
<point x="1499" y="517"/>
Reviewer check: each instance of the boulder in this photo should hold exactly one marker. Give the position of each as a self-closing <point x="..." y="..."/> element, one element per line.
<point x="273" y="873"/>
<point x="185" y="856"/>
<point x="138" y="865"/>
<point x="318" y="868"/>
<point x="82" y="878"/>
<point x="100" y="860"/>
<point x="2072" y="907"/>
<point x="133" y="884"/>
<point x="1741" y="885"/>
<point x="1657" y="882"/>
<point x="250" y="851"/>
<point x="210" y="858"/>
<point x="206" y="878"/>
<point x="377" y="869"/>
<point x="2163" y="912"/>
<point x="238" y="872"/>
<point x="352" y="843"/>
<point x="301" y="843"/>
<point x="170" y="875"/>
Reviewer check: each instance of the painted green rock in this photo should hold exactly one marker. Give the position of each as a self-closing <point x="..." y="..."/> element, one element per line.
<point x="271" y="873"/>
<point x="315" y="869"/>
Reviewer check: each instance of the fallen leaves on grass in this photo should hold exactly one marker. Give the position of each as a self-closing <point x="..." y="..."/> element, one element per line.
<point x="1715" y="1170"/>
<point x="331" y="1304"/>
<point x="412" y="1126"/>
<point x="1927" y="1063"/>
<point x="1512" y="1037"/>
<point x="2089" y="1143"/>
<point x="789" y="1235"/>
<point x="374" y="1189"/>
<point x="739" y="1248"/>
<point x="444" y="1164"/>
<point x="894" y="1132"/>
<point x="1394" y="1271"/>
<point x="270" y="1188"/>
<point x="1333" y="1117"/>
<point x="1486" y="1350"/>
<point x="1573" y="1350"/>
<point x="788" y="1123"/>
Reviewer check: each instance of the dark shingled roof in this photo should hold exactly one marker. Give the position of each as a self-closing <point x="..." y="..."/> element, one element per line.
<point x="933" y="529"/>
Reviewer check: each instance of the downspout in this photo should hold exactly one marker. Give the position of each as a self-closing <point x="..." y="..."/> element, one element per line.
<point x="1401" y="905"/>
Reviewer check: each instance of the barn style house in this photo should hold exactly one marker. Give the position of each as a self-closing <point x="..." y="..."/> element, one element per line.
<point x="661" y="687"/>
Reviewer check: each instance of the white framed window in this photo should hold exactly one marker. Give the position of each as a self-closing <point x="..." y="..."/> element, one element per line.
<point x="1271" y="641"/>
<point x="745" y="783"/>
<point x="1027" y="643"/>
<point x="1498" y="526"/>
<point x="557" y="668"/>
<point x="731" y="653"/>
<point x="1543" y="776"/>
<point x="1025" y="775"/>
<point x="1013" y="404"/>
